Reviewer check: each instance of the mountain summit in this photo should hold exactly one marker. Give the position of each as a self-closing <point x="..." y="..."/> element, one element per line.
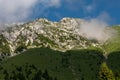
<point x="63" y="35"/>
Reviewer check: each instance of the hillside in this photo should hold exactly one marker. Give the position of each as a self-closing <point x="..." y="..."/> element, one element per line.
<point x="45" y="50"/>
<point x="113" y="44"/>
<point x="72" y="65"/>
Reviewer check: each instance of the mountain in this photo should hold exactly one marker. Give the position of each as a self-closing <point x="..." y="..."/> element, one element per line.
<point x="59" y="36"/>
<point x="56" y="51"/>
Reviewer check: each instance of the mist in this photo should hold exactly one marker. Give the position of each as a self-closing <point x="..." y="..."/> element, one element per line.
<point x="97" y="28"/>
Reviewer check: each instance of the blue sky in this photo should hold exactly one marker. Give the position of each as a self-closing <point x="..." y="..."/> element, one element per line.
<point x="110" y="9"/>
<point x="26" y="10"/>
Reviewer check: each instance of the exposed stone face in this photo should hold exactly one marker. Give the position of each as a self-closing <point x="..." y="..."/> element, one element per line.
<point x="60" y="36"/>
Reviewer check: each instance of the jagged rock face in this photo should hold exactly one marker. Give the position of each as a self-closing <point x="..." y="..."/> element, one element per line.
<point x="60" y="36"/>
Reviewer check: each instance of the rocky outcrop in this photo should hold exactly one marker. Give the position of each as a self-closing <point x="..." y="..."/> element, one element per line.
<point x="60" y="36"/>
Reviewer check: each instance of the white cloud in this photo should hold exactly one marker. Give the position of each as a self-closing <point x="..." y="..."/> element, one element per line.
<point x="15" y="10"/>
<point x="19" y="10"/>
<point x="97" y="28"/>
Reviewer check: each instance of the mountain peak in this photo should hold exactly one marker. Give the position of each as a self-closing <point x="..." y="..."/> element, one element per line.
<point x="59" y="36"/>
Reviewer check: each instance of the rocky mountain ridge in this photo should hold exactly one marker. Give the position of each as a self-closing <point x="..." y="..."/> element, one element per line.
<point x="59" y="36"/>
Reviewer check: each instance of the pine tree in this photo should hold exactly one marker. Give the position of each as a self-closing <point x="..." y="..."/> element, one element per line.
<point x="45" y="75"/>
<point x="105" y="73"/>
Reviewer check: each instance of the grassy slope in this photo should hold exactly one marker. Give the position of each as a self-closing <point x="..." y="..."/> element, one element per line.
<point x="70" y="65"/>
<point x="114" y="43"/>
<point x="113" y="48"/>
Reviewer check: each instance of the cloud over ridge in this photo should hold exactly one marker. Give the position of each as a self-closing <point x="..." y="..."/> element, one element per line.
<point x="97" y="28"/>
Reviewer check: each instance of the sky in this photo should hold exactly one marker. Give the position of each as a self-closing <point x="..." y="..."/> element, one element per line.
<point x="55" y="10"/>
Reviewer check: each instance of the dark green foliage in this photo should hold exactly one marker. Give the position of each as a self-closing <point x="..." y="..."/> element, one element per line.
<point x="113" y="63"/>
<point x="46" y="64"/>
<point x="65" y="60"/>
<point x="20" y="76"/>
<point x="46" y="75"/>
<point x="21" y="48"/>
<point x="55" y="78"/>
<point x="19" y="69"/>
<point x="6" y="77"/>
<point x="27" y="72"/>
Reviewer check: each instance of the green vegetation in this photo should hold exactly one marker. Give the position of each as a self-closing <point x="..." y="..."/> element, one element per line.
<point x="27" y="72"/>
<point x="70" y="65"/>
<point x="114" y="43"/>
<point x="105" y="73"/>
<point x="113" y="63"/>
<point x="4" y="48"/>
